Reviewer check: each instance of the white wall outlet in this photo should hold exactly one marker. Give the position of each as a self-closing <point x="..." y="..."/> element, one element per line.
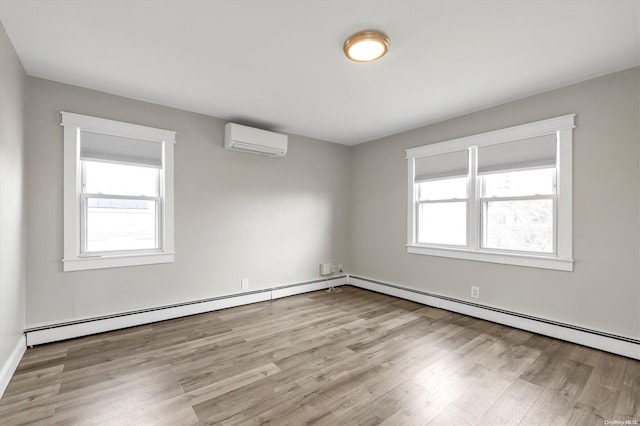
<point x="244" y="284"/>
<point x="326" y="269"/>
<point x="475" y="292"/>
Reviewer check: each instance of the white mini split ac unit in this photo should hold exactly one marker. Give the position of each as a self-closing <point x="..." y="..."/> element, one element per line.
<point x="255" y="141"/>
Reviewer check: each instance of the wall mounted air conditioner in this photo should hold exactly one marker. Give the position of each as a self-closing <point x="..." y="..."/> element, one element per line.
<point x="255" y="141"/>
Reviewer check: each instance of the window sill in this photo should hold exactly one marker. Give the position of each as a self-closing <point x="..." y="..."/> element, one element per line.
<point x="532" y="261"/>
<point x="82" y="264"/>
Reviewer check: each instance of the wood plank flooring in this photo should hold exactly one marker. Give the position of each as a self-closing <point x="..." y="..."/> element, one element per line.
<point x="354" y="357"/>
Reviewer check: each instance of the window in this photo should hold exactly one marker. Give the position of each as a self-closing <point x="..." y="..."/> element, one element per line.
<point x="518" y="208"/>
<point x="118" y="194"/>
<point x="502" y="196"/>
<point x="443" y="197"/>
<point x="117" y="217"/>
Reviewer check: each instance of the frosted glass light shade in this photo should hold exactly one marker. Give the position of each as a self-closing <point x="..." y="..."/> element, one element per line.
<point x="366" y="46"/>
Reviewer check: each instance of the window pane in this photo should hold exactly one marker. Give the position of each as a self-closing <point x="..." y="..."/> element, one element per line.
<point x="525" y="225"/>
<point x="526" y="182"/>
<point x="443" y="189"/>
<point x="443" y="223"/>
<point x="119" y="179"/>
<point x="117" y="224"/>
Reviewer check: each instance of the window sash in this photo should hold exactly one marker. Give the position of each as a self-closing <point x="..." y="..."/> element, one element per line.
<point x="484" y="217"/>
<point x="84" y="211"/>
<point x="419" y="202"/>
<point x="418" y="207"/>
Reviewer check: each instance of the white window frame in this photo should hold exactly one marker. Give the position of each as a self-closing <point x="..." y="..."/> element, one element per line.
<point x="74" y="259"/>
<point x="562" y="259"/>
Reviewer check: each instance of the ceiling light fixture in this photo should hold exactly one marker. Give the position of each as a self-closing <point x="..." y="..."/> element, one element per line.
<point x="366" y="46"/>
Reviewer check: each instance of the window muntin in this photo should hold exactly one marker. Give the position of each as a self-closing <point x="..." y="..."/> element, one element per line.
<point x="121" y="208"/>
<point x="511" y="171"/>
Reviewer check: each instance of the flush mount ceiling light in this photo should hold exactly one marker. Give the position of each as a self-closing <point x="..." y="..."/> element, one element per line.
<point x="366" y="46"/>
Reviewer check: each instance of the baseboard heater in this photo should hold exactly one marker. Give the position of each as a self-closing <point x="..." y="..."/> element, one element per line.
<point x="54" y="332"/>
<point x="619" y="345"/>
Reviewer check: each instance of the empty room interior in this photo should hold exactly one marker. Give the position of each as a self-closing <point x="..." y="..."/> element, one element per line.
<point x="297" y="212"/>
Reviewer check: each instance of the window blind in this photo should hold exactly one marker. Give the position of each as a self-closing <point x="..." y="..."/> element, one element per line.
<point x="522" y="154"/>
<point x="118" y="149"/>
<point x="451" y="164"/>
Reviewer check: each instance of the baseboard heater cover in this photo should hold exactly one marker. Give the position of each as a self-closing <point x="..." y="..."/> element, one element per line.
<point x="619" y="345"/>
<point x="70" y="329"/>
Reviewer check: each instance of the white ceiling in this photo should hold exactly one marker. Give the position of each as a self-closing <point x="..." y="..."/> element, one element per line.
<point x="279" y="64"/>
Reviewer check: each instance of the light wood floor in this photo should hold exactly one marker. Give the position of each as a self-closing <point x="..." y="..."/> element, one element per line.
<point x="354" y="357"/>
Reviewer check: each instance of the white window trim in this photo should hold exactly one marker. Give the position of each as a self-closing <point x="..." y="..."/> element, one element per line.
<point x="73" y="123"/>
<point x="563" y="258"/>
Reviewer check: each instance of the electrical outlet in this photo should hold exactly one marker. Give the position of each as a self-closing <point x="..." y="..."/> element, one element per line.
<point x="475" y="292"/>
<point x="244" y="284"/>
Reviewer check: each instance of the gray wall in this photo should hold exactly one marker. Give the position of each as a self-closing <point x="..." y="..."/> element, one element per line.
<point x="12" y="257"/>
<point x="236" y="215"/>
<point x="603" y="291"/>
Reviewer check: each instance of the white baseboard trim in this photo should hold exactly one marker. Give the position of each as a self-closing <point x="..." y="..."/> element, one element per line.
<point x="619" y="345"/>
<point x="54" y="332"/>
<point x="10" y="365"/>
